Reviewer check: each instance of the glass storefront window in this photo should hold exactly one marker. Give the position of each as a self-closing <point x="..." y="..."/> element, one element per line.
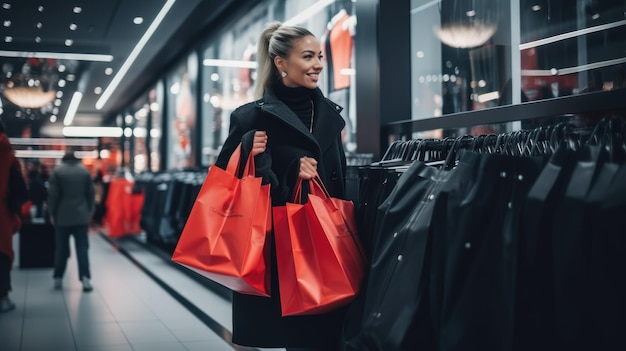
<point x="471" y="55"/>
<point x="155" y="102"/>
<point x="181" y="106"/>
<point x="229" y="68"/>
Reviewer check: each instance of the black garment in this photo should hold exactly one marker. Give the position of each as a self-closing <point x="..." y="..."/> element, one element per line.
<point x="534" y="306"/>
<point x="257" y="321"/>
<point x="475" y="232"/>
<point x="5" y="275"/>
<point x="395" y="310"/>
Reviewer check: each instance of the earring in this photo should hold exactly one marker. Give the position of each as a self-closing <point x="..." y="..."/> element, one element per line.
<point x="283" y="74"/>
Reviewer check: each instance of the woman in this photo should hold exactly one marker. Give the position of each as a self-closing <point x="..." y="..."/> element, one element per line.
<point x="10" y="206"/>
<point x="296" y="133"/>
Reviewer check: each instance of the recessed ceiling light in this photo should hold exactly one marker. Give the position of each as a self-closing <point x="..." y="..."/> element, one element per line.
<point x="7" y="23"/>
<point x="138" y="20"/>
<point x="39" y="25"/>
<point x="536" y="8"/>
<point x="69" y="42"/>
<point x="77" y="9"/>
<point x="40" y="8"/>
<point x="97" y="90"/>
<point x="6" y="6"/>
<point x="62" y="68"/>
<point x="595" y="16"/>
<point x="59" y="94"/>
<point x="38" y="39"/>
<point x="61" y="83"/>
<point x="73" y="26"/>
<point x="8" y="39"/>
<point x="71" y="77"/>
<point x="108" y="71"/>
<point x="53" y="118"/>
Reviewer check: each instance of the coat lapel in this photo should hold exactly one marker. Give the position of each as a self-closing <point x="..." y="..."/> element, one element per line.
<point x="328" y="121"/>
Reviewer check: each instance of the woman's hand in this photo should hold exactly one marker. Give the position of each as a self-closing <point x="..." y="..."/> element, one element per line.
<point x="260" y="142"/>
<point x="308" y="168"/>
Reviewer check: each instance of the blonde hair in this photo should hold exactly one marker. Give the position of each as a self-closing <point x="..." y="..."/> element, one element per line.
<point x="275" y="40"/>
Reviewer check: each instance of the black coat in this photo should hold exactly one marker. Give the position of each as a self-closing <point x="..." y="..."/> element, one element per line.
<point x="257" y="321"/>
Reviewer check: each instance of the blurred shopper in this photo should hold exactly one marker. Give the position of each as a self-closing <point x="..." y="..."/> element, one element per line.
<point x="13" y="194"/>
<point x="37" y="191"/>
<point x="301" y="131"/>
<point x="71" y="203"/>
<point x="100" y="208"/>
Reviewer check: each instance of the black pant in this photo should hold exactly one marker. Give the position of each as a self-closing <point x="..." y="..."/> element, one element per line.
<point x="5" y="275"/>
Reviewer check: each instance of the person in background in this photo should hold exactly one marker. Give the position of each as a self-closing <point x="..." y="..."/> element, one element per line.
<point x="71" y="203"/>
<point x="296" y="133"/>
<point x="13" y="194"/>
<point x="37" y="191"/>
<point x="98" y="181"/>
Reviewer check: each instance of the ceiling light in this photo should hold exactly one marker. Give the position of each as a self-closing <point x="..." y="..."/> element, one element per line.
<point x="228" y="63"/>
<point x="77" y="9"/>
<point x="8" y="39"/>
<point x="134" y="54"/>
<point x="57" y="55"/>
<point x="39" y="25"/>
<point x="39" y="153"/>
<point x="29" y="97"/>
<point x="6" y="6"/>
<point x="40" y="8"/>
<point x="93" y="132"/>
<point x="108" y="71"/>
<point x="308" y="12"/>
<point x="536" y="8"/>
<point x="53" y="141"/>
<point x="61" y="83"/>
<point x="62" y="68"/>
<point x="7" y="23"/>
<point x="73" y="26"/>
<point x="573" y="34"/>
<point x="59" y="94"/>
<point x="465" y="35"/>
<point x="595" y="16"/>
<point x="69" y="42"/>
<point x="71" y="110"/>
<point x="97" y="90"/>
<point x="38" y="39"/>
<point x="53" y="118"/>
<point x="138" y="20"/>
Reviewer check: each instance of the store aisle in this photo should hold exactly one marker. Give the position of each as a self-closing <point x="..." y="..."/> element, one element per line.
<point x="139" y="302"/>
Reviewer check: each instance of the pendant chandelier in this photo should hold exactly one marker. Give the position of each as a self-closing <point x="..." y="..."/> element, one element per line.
<point x="467" y="24"/>
<point x="32" y="86"/>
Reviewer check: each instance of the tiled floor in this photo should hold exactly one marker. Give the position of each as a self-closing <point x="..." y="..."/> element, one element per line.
<point x="139" y="302"/>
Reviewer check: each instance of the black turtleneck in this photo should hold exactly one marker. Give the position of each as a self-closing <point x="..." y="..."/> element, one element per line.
<point x="299" y="100"/>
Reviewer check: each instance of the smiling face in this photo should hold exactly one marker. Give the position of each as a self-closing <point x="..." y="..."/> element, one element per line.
<point x="303" y="65"/>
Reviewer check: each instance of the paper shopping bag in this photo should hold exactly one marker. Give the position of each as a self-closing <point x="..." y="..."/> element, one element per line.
<point x="320" y="258"/>
<point x="226" y="234"/>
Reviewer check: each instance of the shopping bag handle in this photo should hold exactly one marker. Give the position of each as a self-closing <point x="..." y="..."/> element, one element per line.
<point x="317" y="188"/>
<point x="235" y="159"/>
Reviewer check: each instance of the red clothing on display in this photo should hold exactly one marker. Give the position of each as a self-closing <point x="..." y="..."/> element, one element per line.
<point x="340" y="45"/>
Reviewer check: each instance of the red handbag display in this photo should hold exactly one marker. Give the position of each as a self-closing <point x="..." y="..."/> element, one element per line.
<point x="320" y="259"/>
<point x="226" y="234"/>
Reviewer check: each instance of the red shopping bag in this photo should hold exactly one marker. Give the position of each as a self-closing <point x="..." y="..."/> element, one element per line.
<point x="226" y="234"/>
<point x="320" y="259"/>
